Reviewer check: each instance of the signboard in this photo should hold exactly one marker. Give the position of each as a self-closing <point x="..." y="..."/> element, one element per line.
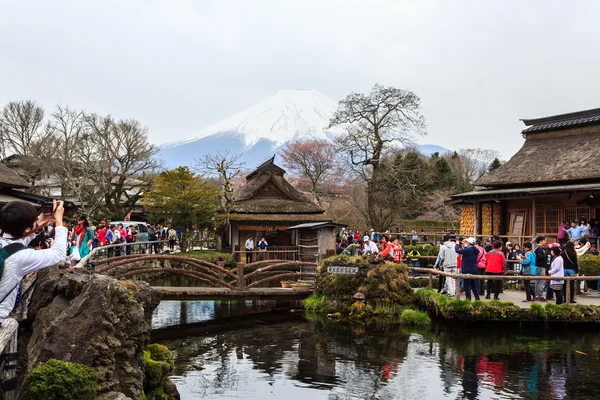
<point x="343" y="270"/>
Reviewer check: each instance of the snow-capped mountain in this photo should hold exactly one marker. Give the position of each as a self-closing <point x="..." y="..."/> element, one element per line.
<point x="260" y="130"/>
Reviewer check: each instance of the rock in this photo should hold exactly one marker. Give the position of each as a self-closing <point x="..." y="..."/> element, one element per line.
<point x="113" y="396"/>
<point x="171" y="389"/>
<point x="97" y="321"/>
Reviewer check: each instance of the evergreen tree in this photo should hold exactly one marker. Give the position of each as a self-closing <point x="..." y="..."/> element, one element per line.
<point x="494" y="165"/>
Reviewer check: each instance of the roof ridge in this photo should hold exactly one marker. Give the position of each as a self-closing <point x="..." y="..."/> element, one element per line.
<point x="561" y="117"/>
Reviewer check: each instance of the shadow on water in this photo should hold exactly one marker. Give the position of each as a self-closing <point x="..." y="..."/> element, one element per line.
<point x="286" y="356"/>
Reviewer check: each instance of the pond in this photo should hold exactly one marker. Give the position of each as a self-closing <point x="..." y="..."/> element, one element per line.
<point x="299" y="359"/>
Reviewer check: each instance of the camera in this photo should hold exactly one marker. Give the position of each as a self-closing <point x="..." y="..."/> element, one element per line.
<point x="47" y="207"/>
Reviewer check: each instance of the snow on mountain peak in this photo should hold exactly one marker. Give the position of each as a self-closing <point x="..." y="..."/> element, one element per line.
<point x="285" y="116"/>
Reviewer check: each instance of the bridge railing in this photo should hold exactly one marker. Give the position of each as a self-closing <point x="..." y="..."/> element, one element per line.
<point x="509" y="277"/>
<point x="243" y="276"/>
<point x="8" y="357"/>
<point x="120" y="249"/>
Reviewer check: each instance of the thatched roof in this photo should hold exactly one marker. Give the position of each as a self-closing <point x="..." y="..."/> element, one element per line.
<point x="267" y="191"/>
<point x="290" y="218"/>
<point x="566" y="157"/>
<point x="9" y="178"/>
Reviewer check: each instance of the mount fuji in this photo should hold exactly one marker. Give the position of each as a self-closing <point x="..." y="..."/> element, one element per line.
<point x="263" y="129"/>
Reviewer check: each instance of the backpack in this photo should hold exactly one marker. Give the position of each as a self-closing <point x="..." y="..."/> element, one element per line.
<point x="5" y="253"/>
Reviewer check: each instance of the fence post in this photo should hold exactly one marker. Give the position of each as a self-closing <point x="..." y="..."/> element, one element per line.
<point x="241" y="282"/>
<point x="457" y="286"/>
<point x="430" y="280"/>
<point x="568" y="292"/>
<point x="220" y="273"/>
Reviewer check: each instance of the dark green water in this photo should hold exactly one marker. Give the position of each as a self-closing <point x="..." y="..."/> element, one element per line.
<point x="298" y="359"/>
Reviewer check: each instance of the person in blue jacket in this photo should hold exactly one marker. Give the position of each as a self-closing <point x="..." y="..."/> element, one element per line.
<point x="470" y="254"/>
<point x="528" y="268"/>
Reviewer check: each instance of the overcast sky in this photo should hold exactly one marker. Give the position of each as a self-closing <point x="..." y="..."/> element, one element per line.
<point x="180" y="65"/>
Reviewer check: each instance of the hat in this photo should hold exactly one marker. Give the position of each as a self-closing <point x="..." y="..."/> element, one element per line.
<point x="508" y="243"/>
<point x="366" y="238"/>
<point x="471" y="240"/>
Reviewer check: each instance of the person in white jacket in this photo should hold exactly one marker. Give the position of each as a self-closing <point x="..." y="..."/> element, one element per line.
<point x="557" y="271"/>
<point x="19" y="222"/>
<point x="447" y="257"/>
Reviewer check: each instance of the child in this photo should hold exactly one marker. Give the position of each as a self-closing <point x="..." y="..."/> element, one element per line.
<point x="397" y="252"/>
<point x="413" y="256"/>
<point x="19" y="222"/>
<point x="527" y="269"/>
<point x="557" y="270"/>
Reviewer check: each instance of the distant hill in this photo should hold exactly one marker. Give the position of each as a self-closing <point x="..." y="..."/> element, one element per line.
<point x="263" y="129"/>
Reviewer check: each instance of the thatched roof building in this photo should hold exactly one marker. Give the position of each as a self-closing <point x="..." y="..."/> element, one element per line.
<point x="12" y="188"/>
<point x="267" y="205"/>
<point x="555" y="176"/>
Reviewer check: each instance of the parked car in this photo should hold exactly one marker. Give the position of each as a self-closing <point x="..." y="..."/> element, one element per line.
<point x="140" y="227"/>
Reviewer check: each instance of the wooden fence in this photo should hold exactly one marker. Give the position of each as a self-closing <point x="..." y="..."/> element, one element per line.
<point x="457" y="277"/>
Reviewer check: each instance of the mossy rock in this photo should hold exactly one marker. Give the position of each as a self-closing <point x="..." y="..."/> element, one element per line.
<point x="414" y="318"/>
<point x="61" y="380"/>
<point x="378" y="280"/>
<point x="159" y="363"/>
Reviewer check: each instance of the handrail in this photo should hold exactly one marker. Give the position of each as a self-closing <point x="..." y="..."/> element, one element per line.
<point x="83" y="262"/>
<point x="458" y="277"/>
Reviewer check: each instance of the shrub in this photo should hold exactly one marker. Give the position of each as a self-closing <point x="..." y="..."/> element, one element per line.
<point x="159" y="363"/>
<point x="414" y="317"/>
<point x="589" y="265"/>
<point x="62" y="380"/>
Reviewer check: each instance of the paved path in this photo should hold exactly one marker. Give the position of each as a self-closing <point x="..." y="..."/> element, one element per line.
<point x="210" y="293"/>
<point x="591" y="298"/>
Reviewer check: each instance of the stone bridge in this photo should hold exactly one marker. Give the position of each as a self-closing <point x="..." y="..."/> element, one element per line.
<point x="244" y="282"/>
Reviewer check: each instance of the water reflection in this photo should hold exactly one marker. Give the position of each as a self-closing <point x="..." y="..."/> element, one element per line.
<point x="300" y="360"/>
<point x="175" y="313"/>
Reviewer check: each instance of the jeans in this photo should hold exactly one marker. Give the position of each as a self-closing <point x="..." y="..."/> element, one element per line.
<point x="471" y="285"/>
<point x="570" y="272"/>
<point x="539" y="285"/>
<point x="248" y="257"/>
<point x="414" y="264"/>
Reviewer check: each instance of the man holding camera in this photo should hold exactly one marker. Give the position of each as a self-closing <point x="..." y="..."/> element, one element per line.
<point x="19" y="222"/>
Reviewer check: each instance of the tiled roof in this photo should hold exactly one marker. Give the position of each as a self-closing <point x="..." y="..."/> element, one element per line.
<point x="563" y="121"/>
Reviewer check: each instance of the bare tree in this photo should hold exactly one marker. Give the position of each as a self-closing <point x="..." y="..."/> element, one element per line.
<point x="126" y="161"/>
<point x="385" y="117"/>
<point x="314" y="160"/>
<point x="21" y="135"/>
<point x="20" y="127"/>
<point x="225" y="167"/>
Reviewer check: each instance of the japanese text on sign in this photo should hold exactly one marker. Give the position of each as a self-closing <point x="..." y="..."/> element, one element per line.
<point x="343" y="270"/>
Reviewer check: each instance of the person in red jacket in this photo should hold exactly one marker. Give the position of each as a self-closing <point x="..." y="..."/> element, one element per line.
<point x="386" y="248"/>
<point x="495" y="265"/>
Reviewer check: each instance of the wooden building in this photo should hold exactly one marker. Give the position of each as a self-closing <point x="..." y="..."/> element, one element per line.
<point x="13" y="186"/>
<point x="266" y="206"/>
<point x="555" y="176"/>
<point x="313" y="239"/>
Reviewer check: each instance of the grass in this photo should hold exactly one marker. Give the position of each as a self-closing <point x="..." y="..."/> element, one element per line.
<point x="414" y="317"/>
<point x="316" y="302"/>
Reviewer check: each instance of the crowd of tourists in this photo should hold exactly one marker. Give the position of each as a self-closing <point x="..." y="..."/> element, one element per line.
<point x="83" y="237"/>
<point x="494" y="258"/>
<point x="383" y="245"/>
